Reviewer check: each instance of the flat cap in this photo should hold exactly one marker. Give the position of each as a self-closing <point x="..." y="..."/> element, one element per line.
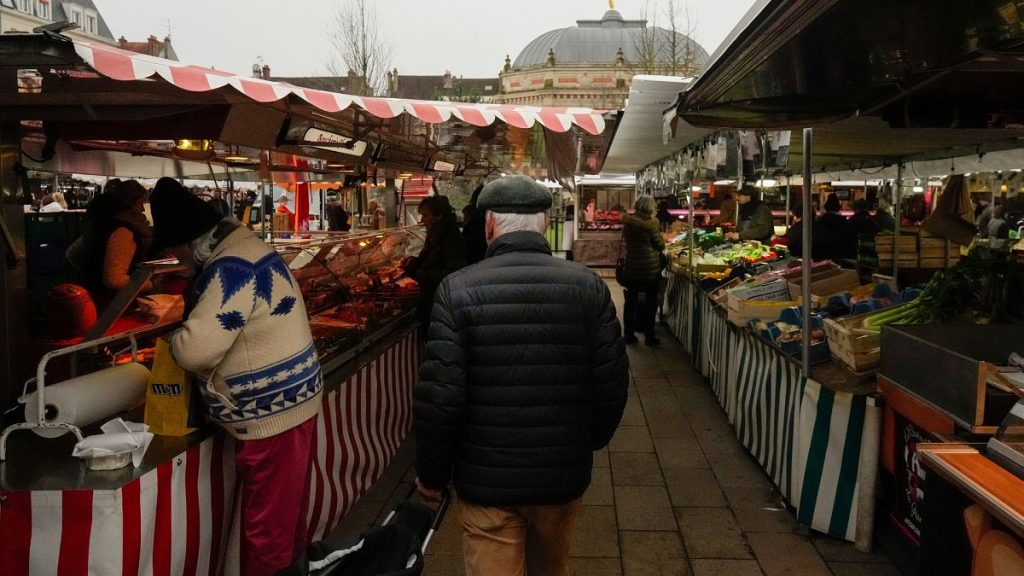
<point x="515" y="195"/>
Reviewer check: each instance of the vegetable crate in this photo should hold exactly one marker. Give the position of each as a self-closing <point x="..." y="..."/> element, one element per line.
<point x="825" y="284"/>
<point x="859" y="350"/>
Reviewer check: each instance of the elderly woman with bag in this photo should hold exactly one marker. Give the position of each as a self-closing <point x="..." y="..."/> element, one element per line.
<point x="641" y="269"/>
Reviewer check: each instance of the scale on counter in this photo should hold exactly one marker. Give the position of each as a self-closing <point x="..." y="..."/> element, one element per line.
<point x="1006" y="448"/>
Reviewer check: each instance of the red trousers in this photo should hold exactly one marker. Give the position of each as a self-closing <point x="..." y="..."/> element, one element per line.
<point x="274" y="478"/>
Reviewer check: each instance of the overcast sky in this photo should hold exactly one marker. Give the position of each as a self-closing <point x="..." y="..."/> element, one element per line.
<point x="468" y="37"/>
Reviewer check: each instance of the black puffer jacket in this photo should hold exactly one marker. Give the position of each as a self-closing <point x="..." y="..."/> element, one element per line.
<point x="643" y="245"/>
<point x="524" y="376"/>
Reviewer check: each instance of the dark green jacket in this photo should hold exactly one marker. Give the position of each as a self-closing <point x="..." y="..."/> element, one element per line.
<point x="756" y="222"/>
<point x="643" y="245"/>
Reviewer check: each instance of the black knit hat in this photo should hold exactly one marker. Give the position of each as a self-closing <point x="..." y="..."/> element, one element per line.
<point x="514" y="194"/>
<point x="179" y="217"/>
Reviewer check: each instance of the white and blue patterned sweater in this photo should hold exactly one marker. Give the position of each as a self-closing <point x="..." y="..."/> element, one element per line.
<point x="248" y="339"/>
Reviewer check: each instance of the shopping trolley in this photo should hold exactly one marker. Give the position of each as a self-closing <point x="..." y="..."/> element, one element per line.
<point x="394" y="548"/>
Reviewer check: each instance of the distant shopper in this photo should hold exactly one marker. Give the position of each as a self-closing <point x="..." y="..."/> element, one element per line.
<point x="983" y="215"/>
<point x="246" y="337"/>
<point x="998" y="227"/>
<point x="664" y="216"/>
<point x="54" y="203"/>
<point x="795" y="235"/>
<point x="835" y="231"/>
<point x="473" y="233"/>
<point x="644" y="244"/>
<point x="117" y="238"/>
<point x="282" y="205"/>
<point x="862" y="222"/>
<point x="755" y="217"/>
<point x="883" y="217"/>
<point x="444" y="252"/>
<point x="524" y="376"/>
<point x="337" y="216"/>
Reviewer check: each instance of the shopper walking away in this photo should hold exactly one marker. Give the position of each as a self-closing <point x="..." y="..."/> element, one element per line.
<point x="643" y="244"/>
<point x="525" y="375"/>
<point x="246" y="337"/>
<point x="755" y="217"/>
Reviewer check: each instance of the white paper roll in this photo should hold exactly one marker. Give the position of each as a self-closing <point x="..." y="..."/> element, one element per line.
<point x="90" y="398"/>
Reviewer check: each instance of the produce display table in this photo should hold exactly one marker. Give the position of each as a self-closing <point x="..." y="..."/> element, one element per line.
<point x="176" y="513"/>
<point x="818" y="444"/>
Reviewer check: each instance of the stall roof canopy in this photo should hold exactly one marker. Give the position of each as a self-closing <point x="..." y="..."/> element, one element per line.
<point x="638" y="139"/>
<point x="913" y="63"/>
<point x="123" y="65"/>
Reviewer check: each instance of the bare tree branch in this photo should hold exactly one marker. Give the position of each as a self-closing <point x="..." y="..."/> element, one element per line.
<point x="360" y="47"/>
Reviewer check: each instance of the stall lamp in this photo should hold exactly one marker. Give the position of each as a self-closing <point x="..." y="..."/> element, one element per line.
<point x="405" y="175"/>
<point x="918" y="188"/>
<point x="724" y="182"/>
<point x="237" y="159"/>
<point x="766" y="183"/>
<point x="695" y="188"/>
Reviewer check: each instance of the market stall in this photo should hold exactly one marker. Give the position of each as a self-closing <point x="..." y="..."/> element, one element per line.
<point x="817" y="444"/>
<point x="175" y="513"/>
<point x="789" y="66"/>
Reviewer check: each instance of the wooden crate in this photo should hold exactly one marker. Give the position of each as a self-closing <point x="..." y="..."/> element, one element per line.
<point x="940" y="262"/>
<point x="845" y="333"/>
<point x="885" y="242"/>
<point x="858" y="362"/>
<point x="885" y="261"/>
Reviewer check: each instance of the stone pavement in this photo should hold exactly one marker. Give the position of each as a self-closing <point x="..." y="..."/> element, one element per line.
<point x="673" y="494"/>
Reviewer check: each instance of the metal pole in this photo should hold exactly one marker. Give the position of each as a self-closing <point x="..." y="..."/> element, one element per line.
<point x="897" y="200"/>
<point x="689" y="203"/>
<point x="788" y="203"/>
<point x="806" y="259"/>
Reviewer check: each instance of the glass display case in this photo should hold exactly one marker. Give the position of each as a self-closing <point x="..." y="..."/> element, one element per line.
<point x="353" y="286"/>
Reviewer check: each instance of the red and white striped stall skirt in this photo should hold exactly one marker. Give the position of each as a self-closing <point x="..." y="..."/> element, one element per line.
<point x="180" y="518"/>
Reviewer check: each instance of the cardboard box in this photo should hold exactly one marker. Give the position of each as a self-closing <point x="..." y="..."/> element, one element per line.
<point x="774" y="289"/>
<point x="741" y="312"/>
<point x="825" y="284"/>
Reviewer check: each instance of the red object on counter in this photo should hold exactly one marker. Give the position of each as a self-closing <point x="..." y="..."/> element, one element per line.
<point x="70" y="311"/>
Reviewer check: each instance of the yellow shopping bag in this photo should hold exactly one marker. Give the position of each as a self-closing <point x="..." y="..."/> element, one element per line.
<point x="170" y="397"/>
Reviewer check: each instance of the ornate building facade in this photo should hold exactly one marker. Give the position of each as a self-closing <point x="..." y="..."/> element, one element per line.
<point x="593" y="63"/>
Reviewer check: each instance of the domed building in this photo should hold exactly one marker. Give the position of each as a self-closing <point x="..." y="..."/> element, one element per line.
<point x="592" y="64"/>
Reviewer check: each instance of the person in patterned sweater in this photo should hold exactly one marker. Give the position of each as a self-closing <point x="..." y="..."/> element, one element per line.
<point x="246" y="337"/>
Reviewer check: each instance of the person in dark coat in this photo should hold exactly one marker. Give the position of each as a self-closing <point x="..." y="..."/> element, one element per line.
<point x="473" y="230"/>
<point x="883" y="218"/>
<point x="643" y="243"/>
<point x="337" y="216"/>
<point x="795" y="235"/>
<point x="861" y="222"/>
<point x="524" y="376"/>
<point x="117" y="238"/>
<point x="443" y="252"/>
<point x="755" y="217"/>
<point x="835" y="231"/>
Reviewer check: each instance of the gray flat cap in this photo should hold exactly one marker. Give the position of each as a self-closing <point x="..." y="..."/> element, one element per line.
<point x="515" y="195"/>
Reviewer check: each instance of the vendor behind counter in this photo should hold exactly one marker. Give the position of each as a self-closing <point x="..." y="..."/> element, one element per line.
<point x="755" y="217"/>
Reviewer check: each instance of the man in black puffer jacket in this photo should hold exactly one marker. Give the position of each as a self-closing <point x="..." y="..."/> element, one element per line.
<point x="525" y="375"/>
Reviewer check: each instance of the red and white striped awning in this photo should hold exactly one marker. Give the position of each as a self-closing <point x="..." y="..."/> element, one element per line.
<point x="123" y="65"/>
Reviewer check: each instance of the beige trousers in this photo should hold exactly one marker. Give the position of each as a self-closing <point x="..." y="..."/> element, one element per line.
<point x="517" y="541"/>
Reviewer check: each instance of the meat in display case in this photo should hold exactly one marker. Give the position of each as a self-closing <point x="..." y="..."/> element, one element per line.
<point x="354" y="290"/>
